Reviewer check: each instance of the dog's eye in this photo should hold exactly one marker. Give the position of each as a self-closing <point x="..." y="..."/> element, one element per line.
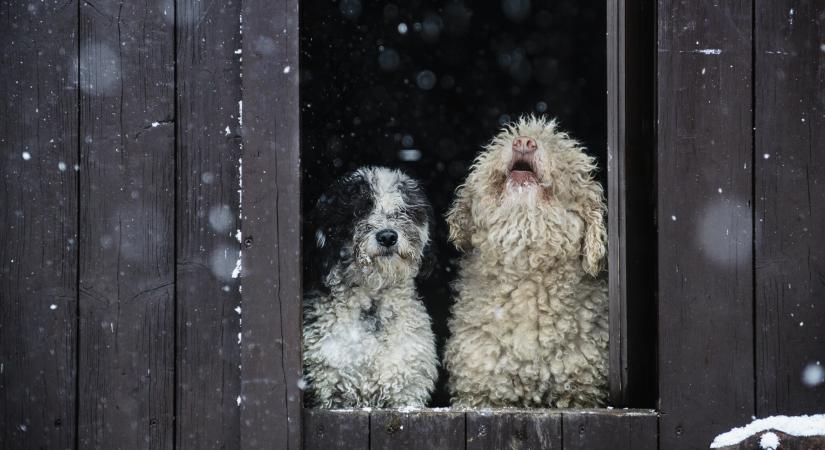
<point x="418" y="214"/>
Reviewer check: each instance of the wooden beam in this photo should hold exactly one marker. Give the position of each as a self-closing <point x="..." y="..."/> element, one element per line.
<point x="631" y="200"/>
<point x="789" y="168"/>
<point x="271" y="223"/>
<point x="524" y="429"/>
<point x="207" y="215"/>
<point x="38" y="252"/>
<point x="632" y="429"/>
<point x="336" y="430"/>
<point x="705" y="220"/>
<point x="126" y="365"/>
<point x="610" y="430"/>
<point x="424" y="429"/>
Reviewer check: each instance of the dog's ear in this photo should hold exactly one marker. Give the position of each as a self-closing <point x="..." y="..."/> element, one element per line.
<point x="331" y="222"/>
<point x="428" y="261"/>
<point x="321" y="252"/>
<point x="421" y="212"/>
<point x="594" y="245"/>
<point x="460" y="219"/>
<point x="327" y="253"/>
<point x="429" y="257"/>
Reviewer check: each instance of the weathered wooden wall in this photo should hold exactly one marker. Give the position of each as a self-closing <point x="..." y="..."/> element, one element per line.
<point x="122" y="332"/>
<point x="741" y="108"/>
<point x="120" y="306"/>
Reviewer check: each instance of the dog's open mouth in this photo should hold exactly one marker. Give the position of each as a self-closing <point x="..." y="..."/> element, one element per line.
<point x="523" y="170"/>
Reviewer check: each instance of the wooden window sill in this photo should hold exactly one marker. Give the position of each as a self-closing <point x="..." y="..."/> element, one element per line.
<point x="448" y="428"/>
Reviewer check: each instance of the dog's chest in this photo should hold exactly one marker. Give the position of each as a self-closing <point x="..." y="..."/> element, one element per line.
<point x="370" y="320"/>
<point x="531" y="317"/>
<point x="354" y="334"/>
<point x="350" y="343"/>
<point x="370" y="313"/>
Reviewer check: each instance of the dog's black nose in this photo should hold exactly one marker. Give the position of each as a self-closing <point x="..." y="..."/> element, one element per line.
<point x="386" y="237"/>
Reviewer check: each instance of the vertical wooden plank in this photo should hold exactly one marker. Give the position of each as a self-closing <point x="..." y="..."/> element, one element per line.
<point x="38" y="253"/>
<point x="790" y="206"/>
<point x="631" y="200"/>
<point x="610" y="430"/>
<point x="430" y="430"/>
<point x="540" y="429"/>
<point x="617" y="292"/>
<point x="336" y="430"/>
<point x="208" y="207"/>
<point x="271" y="299"/>
<point x="705" y="220"/>
<point x="127" y="242"/>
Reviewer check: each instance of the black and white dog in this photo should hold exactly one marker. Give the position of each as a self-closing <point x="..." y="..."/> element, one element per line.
<point x="367" y="336"/>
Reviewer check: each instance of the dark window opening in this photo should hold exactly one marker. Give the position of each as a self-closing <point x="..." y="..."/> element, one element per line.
<point x="422" y="86"/>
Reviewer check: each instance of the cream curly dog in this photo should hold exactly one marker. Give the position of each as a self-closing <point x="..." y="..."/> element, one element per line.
<point x="367" y="335"/>
<point x="529" y="326"/>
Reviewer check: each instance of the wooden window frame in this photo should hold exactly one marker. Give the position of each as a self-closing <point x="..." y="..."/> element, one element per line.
<point x="631" y="164"/>
<point x="271" y="408"/>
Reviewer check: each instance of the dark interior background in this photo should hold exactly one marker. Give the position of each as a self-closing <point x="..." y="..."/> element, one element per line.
<point x="422" y="85"/>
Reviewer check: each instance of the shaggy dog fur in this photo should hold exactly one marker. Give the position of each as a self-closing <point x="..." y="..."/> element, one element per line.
<point x="367" y="336"/>
<point x="529" y="326"/>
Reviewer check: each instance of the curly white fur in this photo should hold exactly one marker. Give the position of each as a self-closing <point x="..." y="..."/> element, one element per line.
<point x="529" y="326"/>
<point x="368" y="341"/>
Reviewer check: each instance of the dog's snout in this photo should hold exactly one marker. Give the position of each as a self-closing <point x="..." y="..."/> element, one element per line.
<point x="386" y="237"/>
<point x="524" y="144"/>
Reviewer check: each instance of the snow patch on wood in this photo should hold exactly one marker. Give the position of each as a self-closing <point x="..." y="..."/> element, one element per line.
<point x="812" y="425"/>
<point x="769" y="441"/>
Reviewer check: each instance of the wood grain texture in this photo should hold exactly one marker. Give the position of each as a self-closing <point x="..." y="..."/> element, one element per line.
<point x="610" y="430"/>
<point x="705" y="220"/>
<point x="527" y="429"/>
<point x="631" y="201"/>
<point x="271" y="277"/>
<point x="790" y="206"/>
<point x="207" y="214"/>
<point x="431" y="430"/>
<point x="38" y="222"/>
<point x="127" y="243"/>
<point x="336" y="430"/>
